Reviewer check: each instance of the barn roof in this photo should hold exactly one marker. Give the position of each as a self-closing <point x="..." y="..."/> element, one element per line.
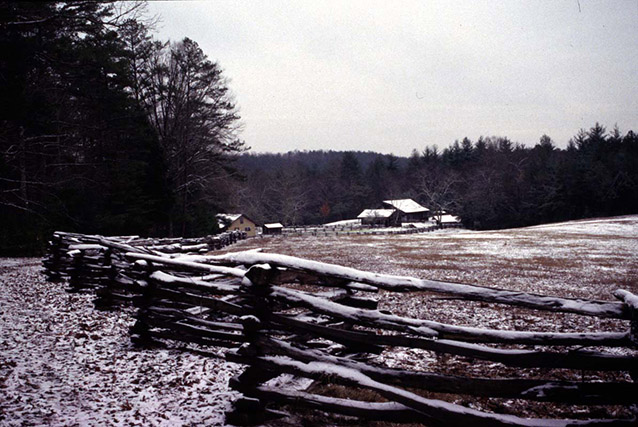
<point x="407" y="206"/>
<point x="376" y="213"/>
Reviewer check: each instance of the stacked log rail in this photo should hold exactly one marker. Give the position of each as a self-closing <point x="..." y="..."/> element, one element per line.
<point x="264" y="308"/>
<point x="128" y="277"/>
<point x="271" y="351"/>
<point x="198" y="308"/>
<point x="106" y="267"/>
<point x="187" y="301"/>
<point x="191" y="245"/>
<point x="60" y="242"/>
<point x="91" y="262"/>
<point x="210" y="305"/>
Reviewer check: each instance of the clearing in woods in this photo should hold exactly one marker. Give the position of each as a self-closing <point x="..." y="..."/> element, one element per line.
<point x="582" y="259"/>
<point x="588" y="258"/>
<point x="64" y="363"/>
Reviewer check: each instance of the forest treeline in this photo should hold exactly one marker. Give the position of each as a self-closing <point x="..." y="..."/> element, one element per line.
<point x="490" y="183"/>
<point x="104" y="129"/>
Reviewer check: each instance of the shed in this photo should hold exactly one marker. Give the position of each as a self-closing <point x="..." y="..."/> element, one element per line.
<point x="273" y="228"/>
<point x="386" y="217"/>
<point x="409" y="210"/>
<point x="447" y="219"/>
<point x="234" y="222"/>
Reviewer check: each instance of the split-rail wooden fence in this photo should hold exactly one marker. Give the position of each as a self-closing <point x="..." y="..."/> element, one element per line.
<point x="278" y="315"/>
<point x="358" y="230"/>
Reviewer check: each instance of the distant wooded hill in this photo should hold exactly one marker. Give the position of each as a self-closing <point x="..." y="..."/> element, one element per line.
<point x="313" y="159"/>
<point x="490" y="183"/>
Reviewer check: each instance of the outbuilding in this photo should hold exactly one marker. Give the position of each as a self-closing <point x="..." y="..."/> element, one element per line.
<point x="447" y="220"/>
<point x="384" y="217"/>
<point x="273" y="228"/>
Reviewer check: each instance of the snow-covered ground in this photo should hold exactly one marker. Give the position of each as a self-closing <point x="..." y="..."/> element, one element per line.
<point x="343" y="223"/>
<point x="64" y="363"/>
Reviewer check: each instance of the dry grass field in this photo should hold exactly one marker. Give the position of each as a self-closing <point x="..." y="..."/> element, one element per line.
<point x="64" y="363"/>
<point x="588" y="258"/>
<point x="584" y="259"/>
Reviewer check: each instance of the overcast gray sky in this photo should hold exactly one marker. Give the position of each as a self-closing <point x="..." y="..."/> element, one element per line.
<point x="393" y="76"/>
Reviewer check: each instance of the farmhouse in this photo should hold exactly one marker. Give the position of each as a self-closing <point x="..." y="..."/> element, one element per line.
<point x="385" y="217"/>
<point x="273" y="228"/>
<point x="409" y="210"/>
<point x="233" y="222"/>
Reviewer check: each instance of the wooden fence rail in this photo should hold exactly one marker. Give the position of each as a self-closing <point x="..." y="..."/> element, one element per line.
<point x="285" y="315"/>
<point x="98" y="262"/>
<point x="359" y="230"/>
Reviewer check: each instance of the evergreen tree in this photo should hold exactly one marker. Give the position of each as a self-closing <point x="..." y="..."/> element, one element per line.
<point x="69" y="126"/>
<point x="81" y="149"/>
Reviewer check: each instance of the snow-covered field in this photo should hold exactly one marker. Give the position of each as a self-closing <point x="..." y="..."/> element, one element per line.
<point x="64" y="363"/>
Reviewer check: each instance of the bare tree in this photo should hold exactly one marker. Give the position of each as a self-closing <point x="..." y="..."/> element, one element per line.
<point x="289" y="193"/>
<point x="438" y="190"/>
<point x="189" y="104"/>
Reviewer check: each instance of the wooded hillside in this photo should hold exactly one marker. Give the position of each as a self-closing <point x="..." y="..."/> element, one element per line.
<point x="490" y="183"/>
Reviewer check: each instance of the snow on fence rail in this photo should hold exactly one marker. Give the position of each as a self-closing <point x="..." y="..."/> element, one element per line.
<point x="85" y="256"/>
<point x="251" y="304"/>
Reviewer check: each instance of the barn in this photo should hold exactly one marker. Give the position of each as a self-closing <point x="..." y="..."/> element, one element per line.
<point x="273" y="228"/>
<point x="409" y="210"/>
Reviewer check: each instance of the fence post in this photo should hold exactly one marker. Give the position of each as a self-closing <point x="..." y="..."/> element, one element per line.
<point x="104" y="296"/>
<point x="77" y="266"/>
<point x="52" y="262"/>
<point x="631" y="303"/>
<point x="248" y="410"/>
<point x="140" y="331"/>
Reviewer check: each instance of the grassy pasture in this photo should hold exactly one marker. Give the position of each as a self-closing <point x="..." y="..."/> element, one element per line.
<point x="584" y="259"/>
<point x="587" y="259"/>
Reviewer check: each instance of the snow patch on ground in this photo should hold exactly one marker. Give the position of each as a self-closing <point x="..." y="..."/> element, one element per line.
<point x="345" y="222"/>
<point x="64" y="363"/>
